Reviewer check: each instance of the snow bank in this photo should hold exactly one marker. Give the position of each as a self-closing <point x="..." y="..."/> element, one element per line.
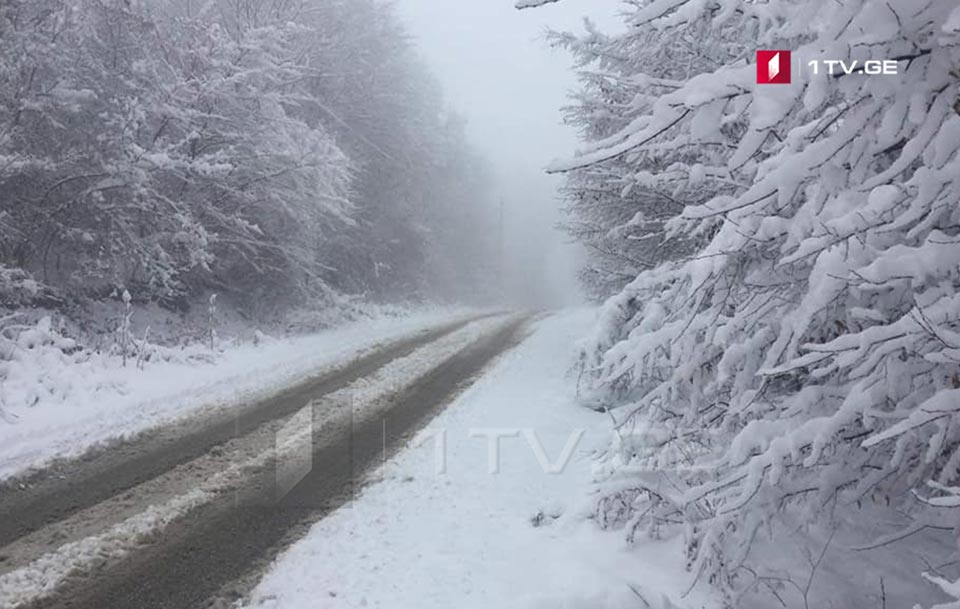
<point x="57" y="400"/>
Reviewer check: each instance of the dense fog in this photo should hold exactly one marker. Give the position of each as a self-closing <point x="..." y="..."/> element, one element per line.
<point x="498" y="68"/>
<point x="724" y="233"/>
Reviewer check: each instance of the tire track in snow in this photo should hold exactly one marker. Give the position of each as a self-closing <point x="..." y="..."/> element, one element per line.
<point x="62" y="490"/>
<point x="230" y="497"/>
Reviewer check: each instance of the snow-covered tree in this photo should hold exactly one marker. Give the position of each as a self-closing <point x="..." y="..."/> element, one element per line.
<point x="415" y="183"/>
<point x="274" y="151"/>
<point x="272" y="184"/>
<point x="804" y="354"/>
<point x="617" y="209"/>
<point x="154" y="151"/>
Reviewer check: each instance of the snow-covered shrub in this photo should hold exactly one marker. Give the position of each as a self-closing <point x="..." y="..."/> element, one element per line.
<point x="806" y="354"/>
<point x="20" y="289"/>
<point x="41" y="366"/>
<point x="28" y="352"/>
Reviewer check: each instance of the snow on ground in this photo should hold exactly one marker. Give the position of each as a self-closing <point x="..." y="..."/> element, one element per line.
<point x="826" y="566"/>
<point x="82" y="401"/>
<point x="447" y="533"/>
<point x="218" y="473"/>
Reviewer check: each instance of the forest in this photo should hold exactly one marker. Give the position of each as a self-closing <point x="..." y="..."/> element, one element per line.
<point x="276" y="153"/>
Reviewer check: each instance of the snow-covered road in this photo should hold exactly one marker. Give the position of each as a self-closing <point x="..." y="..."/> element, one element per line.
<point x="489" y="505"/>
<point x="137" y="546"/>
<point x="81" y="404"/>
<point x="439" y="530"/>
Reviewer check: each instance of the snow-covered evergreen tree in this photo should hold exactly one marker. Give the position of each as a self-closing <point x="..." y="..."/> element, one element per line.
<point x="792" y="336"/>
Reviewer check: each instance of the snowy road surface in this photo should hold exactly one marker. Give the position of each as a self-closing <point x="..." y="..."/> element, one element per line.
<point x="55" y="493"/>
<point x="206" y="527"/>
<point x="82" y="404"/>
<point x="439" y="533"/>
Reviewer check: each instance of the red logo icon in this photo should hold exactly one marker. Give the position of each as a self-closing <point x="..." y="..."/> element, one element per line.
<point x="773" y="67"/>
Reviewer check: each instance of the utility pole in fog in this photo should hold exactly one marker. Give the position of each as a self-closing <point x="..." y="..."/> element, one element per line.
<point x="501" y="253"/>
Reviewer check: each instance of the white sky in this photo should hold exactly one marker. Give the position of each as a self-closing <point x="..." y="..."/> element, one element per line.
<point x="498" y="72"/>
